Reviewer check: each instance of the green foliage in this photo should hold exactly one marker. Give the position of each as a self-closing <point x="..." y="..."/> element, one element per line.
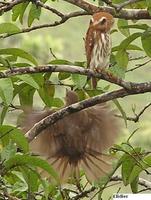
<point x="26" y="161"/>
<point x="6" y="90"/>
<point x="148" y="2"/>
<point x="123" y="23"/>
<point x="8" y="28"/>
<point x="133" y="162"/>
<point x="9" y="133"/>
<point x="16" y="52"/>
<point x="146" y="41"/>
<point x="18" y="11"/>
<point x="34" y="13"/>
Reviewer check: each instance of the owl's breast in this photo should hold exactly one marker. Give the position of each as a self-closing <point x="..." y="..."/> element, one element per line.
<point x="101" y="52"/>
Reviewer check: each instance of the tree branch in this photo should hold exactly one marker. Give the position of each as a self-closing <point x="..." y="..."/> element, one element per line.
<point x="49" y="120"/>
<point x="64" y="18"/>
<point x="138" y="66"/>
<point x="137" y="116"/>
<point x="123" y="13"/>
<point x="126" y="3"/>
<point x="116" y="178"/>
<point x="39" y="3"/>
<point x="9" y="5"/>
<point x="90" y="9"/>
<point x="141" y="181"/>
<point x="69" y="69"/>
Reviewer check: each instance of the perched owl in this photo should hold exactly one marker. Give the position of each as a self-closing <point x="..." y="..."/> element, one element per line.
<point x="98" y="42"/>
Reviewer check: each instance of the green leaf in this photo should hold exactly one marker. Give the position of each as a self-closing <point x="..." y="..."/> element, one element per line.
<point x="56" y="102"/>
<point x="31" y="179"/>
<point x="60" y="62"/>
<point x="127" y="167"/>
<point x="25" y="160"/>
<point x="3" y="114"/>
<point x="26" y="96"/>
<point x="4" y="62"/>
<point x="6" y="90"/>
<point x="146" y="41"/>
<point x="135" y="173"/>
<point x="8" y="151"/>
<point x="9" y="28"/>
<point x="136" y="26"/>
<point x="148" y="2"/>
<point x="147" y="160"/>
<point x="82" y="94"/>
<point x="20" y="185"/>
<point x="19" y="53"/>
<point x="116" y="102"/>
<point x="125" y="31"/>
<point x="11" y="58"/>
<point x="122" y="58"/>
<point x="15" y="135"/>
<point x="134" y="185"/>
<point x="29" y="80"/>
<point x="46" y="93"/>
<point x="18" y="11"/>
<point x="34" y="13"/>
<point x="80" y="64"/>
<point x="117" y="71"/>
<point x="124" y="44"/>
<point x="63" y="75"/>
<point x="129" y="47"/>
<point x="79" y="80"/>
<point x="21" y="64"/>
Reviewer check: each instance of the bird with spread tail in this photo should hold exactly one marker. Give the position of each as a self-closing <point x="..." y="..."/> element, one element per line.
<point x="77" y="141"/>
<point x="98" y="42"/>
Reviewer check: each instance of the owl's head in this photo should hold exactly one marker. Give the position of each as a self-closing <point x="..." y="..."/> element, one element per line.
<point x="102" y="21"/>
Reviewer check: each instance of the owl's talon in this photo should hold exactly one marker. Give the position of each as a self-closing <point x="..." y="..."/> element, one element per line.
<point x="99" y="70"/>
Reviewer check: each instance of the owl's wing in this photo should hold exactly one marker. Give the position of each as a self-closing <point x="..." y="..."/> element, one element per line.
<point x="101" y="129"/>
<point x="89" y="44"/>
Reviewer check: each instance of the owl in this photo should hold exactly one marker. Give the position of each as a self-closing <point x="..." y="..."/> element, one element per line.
<point x="98" y="42"/>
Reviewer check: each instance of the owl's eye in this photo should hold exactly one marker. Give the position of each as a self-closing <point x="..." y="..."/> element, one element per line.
<point x="102" y="20"/>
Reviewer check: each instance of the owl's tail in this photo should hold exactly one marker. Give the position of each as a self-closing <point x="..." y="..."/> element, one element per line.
<point x="94" y="167"/>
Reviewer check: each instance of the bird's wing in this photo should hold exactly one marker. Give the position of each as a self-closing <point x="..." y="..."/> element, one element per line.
<point x="104" y="127"/>
<point x="77" y="140"/>
<point x="89" y="44"/>
<point x="101" y="131"/>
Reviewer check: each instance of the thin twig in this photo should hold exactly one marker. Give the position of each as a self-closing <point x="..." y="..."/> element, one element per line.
<point x="90" y="9"/>
<point x="53" y="10"/>
<point x="104" y="75"/>
<point x="56" y="23"/>
<point x="8" y="6"/>
<point x="123" y="13"/>
<point x="137" y="116"/>
<point x="137" y="58"/>
<point x="141" y="181"/>
<point x="126" y="3"/>
<point x="52" y="53"/>
<point x="138" y="66"/>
